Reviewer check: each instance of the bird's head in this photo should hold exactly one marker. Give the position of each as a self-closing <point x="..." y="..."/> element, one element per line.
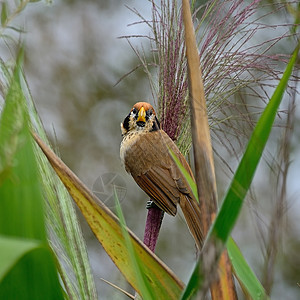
<point x="142" y="117"/>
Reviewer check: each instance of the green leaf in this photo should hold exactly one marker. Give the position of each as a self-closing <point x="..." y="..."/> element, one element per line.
<point x="186" y="174"/>
<point x="3" y="13"/>
<point x="246" y="277"/>
<point x="27" y="265"/>
<point x="228" y="214"/>
<point x="144" y="286"/>
<point x="242" y="179"/>
<point x="67" y="239"/>
<point x="20" y="194"/>
<point x="27" y="270"/>
<point x="193" y="284"/>
<point x="11" y="250"/>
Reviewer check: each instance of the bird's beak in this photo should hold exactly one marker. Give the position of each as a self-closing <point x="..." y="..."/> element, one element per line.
<point x="142" y="115"/>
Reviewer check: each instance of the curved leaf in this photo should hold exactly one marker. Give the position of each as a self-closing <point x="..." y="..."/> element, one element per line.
<point x="27" y="270"/>
<point x="11" y="251"/>
<point x="244" y="274"/>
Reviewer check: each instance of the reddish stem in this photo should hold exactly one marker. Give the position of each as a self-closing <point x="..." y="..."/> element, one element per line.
<point x="153" y="224"/>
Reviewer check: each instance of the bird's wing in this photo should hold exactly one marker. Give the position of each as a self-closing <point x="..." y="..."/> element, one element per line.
<point x="155" y="182"/>
<point x="154" y="170"/>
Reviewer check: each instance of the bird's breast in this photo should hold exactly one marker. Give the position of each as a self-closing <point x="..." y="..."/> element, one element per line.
<point x="127" y="143"/>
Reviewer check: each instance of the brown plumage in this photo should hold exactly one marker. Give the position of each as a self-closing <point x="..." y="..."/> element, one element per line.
<point x="145" y="154"/>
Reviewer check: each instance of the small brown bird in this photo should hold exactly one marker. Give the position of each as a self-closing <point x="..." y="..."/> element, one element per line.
<point x="146" y="156"/>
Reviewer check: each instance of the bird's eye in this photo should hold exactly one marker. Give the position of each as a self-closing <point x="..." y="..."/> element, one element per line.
<point x="149" y="113"/>
<point x="134" y="111"/>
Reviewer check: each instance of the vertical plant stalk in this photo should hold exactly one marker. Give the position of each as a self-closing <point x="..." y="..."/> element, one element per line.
<point x="171" y="99"/>
<point x="153" y="223"/>
<point x="223" y="287"/>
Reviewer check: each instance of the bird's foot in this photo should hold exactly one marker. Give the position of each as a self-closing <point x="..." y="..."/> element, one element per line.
<point x="150" y="204"/>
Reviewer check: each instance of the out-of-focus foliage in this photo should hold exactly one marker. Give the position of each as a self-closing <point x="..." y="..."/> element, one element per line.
<point x="27" y="265"/>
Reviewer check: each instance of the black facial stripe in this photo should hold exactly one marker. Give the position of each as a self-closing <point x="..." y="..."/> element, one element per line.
<point x="126" y="122"/>
<point x="156" y="125"/>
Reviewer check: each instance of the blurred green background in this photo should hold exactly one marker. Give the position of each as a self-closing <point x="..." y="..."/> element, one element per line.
<point x="74" y="58"/>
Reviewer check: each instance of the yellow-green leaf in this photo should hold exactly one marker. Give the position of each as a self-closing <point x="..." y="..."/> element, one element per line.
<point x="106" y="227"/>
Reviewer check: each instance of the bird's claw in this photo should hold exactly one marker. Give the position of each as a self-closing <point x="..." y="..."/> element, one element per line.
<point x="150" y="204"/>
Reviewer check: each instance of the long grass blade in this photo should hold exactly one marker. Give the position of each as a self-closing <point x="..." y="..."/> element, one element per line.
<point x="144" y="286"/>
<point x="240" y="184"/>
<point x="244" y="274"/>
<point x="223" y="285"/>
<point x="27" y="264"/>
<point x="250" y="284"/>
<point x="64" y="231"/>
<point x="243" y="177"/>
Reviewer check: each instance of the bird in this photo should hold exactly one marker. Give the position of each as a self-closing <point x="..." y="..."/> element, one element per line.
<point x="145" y="153"/>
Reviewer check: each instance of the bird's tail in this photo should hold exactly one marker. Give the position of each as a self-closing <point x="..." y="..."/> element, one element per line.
<point x="192" y="214"/>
